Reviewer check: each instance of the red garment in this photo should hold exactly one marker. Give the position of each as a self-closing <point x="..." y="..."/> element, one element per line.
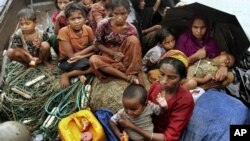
<point x="180" y="108"/>
<point x="62" y="20"/>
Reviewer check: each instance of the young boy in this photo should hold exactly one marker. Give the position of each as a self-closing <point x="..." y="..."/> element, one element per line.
<point x="29" y="44"/>
<point x="75" y="45"/>
<point x="138" y="110"/>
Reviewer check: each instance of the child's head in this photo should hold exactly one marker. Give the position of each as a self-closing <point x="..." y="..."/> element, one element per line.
<point x="74" y="15"/>
<point x="61" y="4"/>
<point x="27" y="20"/>
<point x="134" y="99"/>
<point x="120" y="10"/>
<point x="165" y="38"/>
<point x="227" y="59"/>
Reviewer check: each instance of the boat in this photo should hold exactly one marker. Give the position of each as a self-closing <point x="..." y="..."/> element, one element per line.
<point x="34" y="97"/>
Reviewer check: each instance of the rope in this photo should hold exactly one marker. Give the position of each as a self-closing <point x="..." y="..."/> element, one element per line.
<point x="83" y="96"/>
<point x="26" y="103"/>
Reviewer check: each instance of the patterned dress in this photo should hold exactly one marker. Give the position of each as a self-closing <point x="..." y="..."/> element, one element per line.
<point x="132" y="60"/>
<point x="20" y="41"/>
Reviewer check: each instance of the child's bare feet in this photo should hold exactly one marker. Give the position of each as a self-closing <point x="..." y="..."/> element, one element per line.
<point x="65" y="80"/>
<point x="82" y="79"/>
<point x="49" y="65"/>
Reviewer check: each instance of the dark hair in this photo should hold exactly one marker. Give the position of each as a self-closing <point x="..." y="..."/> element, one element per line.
<point x="161" y="34"/>
<point x="56" y="4"/>
<point x="134" y="91"/>
<point x="73" y="7"/>
<point x="135" y="4"/>
<point x="118" y="3"/>
<point x="27" y="13"/>
<point x="202" y="17"/>
<point x="177" y="64"/>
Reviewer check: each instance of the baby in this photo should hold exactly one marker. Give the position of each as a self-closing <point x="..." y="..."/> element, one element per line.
<point x="138" y="110"/>
<point x="204" y="70"/>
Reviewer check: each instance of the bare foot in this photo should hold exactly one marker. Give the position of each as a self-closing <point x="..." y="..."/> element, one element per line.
<point x="34" y="61"/>
<point x="65" y="80"/>
<point x="49" y="65"/>
<point x="82" y="79"/>
<point x="106" y="79"/>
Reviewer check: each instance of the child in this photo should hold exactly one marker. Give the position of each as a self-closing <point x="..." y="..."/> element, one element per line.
<point x="59" y="21"/>
<point x="30" y="46"/>
<point x="98" y="12"/>
<point x="120" y="49"/>
<point x="58" y="17"/>
<point x="204" y="70"/>
<point x="138" y="110"/>
<point x="75" y="45"/>
<point x="166" y="42"/>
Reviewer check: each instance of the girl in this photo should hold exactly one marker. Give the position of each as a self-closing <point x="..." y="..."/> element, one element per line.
<point x="171" y="122"/>
<point x="58" y="17"/>
<point x="98" y="12"/>
<point x="59" y="21"/>
<point x="75" y="45"/>
<point x="119" y="46"/>
<point x="165" y="42"/>
<point x="30" y="45"/>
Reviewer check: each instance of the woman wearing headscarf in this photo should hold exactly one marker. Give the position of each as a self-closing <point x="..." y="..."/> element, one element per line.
<point x="197" y="44"/>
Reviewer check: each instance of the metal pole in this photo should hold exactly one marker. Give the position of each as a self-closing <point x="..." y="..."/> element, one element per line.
<point x="31" y="4"/>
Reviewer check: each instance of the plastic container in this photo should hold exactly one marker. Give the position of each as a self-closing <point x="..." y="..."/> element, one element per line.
<point x="70" y="128"/>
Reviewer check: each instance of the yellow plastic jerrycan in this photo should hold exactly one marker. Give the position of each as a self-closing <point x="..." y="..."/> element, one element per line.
<point x="71" y="127"/>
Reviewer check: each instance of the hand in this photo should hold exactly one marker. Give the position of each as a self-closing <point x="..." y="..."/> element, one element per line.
<point x="37" y="43"/>
<point x="157" y="27"/>
<point x="221" y="73"/>
<point x="74" y="59"/>
<point x="118" y="56"/>
<point x="201" y="53"/>
<point x="125" y="122"/>
<point x="161" y="101"/>
<point x="60" y="14"/>
<point x="124" y="136"/>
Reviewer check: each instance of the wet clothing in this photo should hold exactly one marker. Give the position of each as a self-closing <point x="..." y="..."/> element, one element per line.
<point x="172" y="121"/>
<point x="144" y="121"/>
<point x="82" y="64"/>
<point x="188" y="45"/>
<point x="77" y="43"/>
<point x="206" y="67"/>
<point x="131" y="62"/>
<point x="152" y="56"/>
<point x="96" y="13"/>
<point x="62" y="21"/>
<point x="20" y="41"/>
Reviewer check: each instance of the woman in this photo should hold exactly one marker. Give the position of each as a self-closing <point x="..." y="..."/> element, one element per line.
<point x="197" y="44"/>
<point x="171" y="122"/>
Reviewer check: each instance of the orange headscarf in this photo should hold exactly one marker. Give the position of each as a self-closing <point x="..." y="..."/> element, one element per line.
<point x="177" y="55"/>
